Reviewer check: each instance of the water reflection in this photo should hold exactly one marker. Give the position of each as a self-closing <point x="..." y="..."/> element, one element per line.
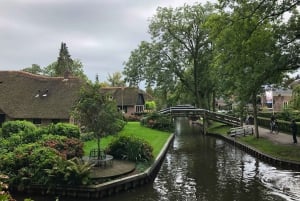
<point x="202" y="168"/>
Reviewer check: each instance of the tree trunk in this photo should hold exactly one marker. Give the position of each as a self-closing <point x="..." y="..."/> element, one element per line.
<point x="214" y="101"/>
<point x="255" y="115"/>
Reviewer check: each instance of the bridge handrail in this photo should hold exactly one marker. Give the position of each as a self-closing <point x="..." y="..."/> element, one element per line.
<point x="192" y="111"/>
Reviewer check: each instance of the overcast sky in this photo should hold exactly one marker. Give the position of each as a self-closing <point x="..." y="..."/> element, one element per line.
<point x="100" y="33"/>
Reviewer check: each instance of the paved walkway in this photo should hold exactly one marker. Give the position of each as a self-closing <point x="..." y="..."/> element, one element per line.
<point x="116" y="169"/>
<point x="280" y="138"/>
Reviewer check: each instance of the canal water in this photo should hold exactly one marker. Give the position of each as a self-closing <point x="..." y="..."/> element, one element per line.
<point x="203" y="168"/>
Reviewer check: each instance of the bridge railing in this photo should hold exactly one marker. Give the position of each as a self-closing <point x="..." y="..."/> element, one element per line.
<point x="223" y="118"/>
<point x="191" y="111"/>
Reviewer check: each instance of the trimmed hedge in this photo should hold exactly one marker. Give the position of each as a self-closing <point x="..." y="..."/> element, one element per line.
<point x="13" y="127"/>
<point x="130" y="148"/>
<point x="64" y="129"/>
<point x="158" y="121"/>
<point x="284" y="126"/>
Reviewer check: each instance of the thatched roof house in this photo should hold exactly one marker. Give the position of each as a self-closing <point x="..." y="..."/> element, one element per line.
<point x="36" y="98"/>
<point x="129" y="99"/>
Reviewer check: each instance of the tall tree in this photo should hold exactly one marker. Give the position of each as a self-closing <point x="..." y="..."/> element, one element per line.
<point x="65" y="65"/>
<point x="248" y="50"/>
<point x="34" y="69"/>
<point x="180" y="52"/>
<point x="116" y="80"/>
<point x="77" y="70"/>
<point x="64" y="61"/>
<point x="97" y="113"/>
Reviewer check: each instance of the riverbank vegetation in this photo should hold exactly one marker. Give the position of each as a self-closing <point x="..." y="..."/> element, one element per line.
<point x="46" y="156"/>
<point x="283" y="152"/>
<point x="155" y="138"/>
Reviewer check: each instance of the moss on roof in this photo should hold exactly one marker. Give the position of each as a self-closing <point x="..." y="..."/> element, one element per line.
<point x="24" y="95"/>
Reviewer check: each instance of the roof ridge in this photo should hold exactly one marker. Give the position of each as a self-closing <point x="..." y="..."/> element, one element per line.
<point x="35" y="76"/>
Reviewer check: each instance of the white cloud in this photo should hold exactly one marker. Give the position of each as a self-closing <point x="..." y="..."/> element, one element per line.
<point x="99" y="33"/>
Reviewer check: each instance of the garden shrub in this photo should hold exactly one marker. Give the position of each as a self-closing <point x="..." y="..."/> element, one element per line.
<point x="158" y="121"/>
<point x="119" y="124"/>
<point x="14" y="127"/>
<point x="36" y="164"/>
<point x="13" y="141"/>
<point x="16" y="139"/>
<point x="130" y="148"/>
<point x="87" y="136"/>
<point x="69" y="172"/>
<point x="64" y="129"/>
<point x="4" y="194"/>
<point x="27" y="164"/>
<point x="67" y="147"/>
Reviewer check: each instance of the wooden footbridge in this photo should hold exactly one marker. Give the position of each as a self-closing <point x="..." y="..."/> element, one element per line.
<point x="195" y="113"/>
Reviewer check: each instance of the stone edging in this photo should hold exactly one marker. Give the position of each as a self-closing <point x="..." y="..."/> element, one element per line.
<point x="262" y="156"/>
<point x="107" y="188"/>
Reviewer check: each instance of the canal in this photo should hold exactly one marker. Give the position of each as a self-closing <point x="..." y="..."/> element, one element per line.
<point x="203" y="168"/>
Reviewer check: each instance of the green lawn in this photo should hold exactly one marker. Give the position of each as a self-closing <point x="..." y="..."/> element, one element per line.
<point x="156" y="138"/>
<point x="284" y="152"/>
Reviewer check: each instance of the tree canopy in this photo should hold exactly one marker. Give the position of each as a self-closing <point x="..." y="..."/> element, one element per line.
<point x="230" y="49"/>
<point x="97" y="113"/>
<point x="64" y="65"/>
<point x="251" y="48"/>
<point x="178" y="54"/>
<point x="115" y="80"/>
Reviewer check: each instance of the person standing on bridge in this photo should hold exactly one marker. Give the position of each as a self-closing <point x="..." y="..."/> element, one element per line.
<point x="294" y="130"/>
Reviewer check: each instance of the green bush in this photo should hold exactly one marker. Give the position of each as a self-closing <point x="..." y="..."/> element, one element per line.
<point x="27" y="164"/>
<point x="38" y="164"/>
<point x="130" y="148"/>
<point x="14" y="127"/>
<point x="12" y="142"/>
<point x="87" y="136"/>
<point x="69" y="172"/>
<point x="67" y="147"/>
<point x="119" y="124"/>
<point x="64" y="129"/>
<point x="158" y="121"/>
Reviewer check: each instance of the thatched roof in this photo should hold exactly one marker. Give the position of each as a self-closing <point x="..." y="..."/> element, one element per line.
<point x="24" y="95"/>
<point x="130" y="95"/>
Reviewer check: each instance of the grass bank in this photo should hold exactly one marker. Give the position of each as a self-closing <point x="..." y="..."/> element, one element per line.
<point x="156" y="138"/>
<point x="283" y="152"/>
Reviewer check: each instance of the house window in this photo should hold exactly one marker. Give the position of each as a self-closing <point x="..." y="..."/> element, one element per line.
<point x="139" y="108"/>
<point x="285" y="104"/>
<point x="2" y="118"/>
<point x="55" y="121"/>
<point x="37" y="121"/>
<point x="140" y="100"/>
<point x="124" y="108"/>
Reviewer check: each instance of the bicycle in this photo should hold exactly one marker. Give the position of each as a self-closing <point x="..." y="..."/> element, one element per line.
<point x="274" y="127"/>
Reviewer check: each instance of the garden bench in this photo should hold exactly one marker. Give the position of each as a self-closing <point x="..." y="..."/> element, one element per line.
<point x="243" y="130"/>
<point x="104" y="159"/>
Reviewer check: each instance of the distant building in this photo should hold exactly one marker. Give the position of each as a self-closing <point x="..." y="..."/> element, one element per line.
<point x="130" y="100"/>
<point x="36" y="98"/>
<point x="276" y="99"/>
